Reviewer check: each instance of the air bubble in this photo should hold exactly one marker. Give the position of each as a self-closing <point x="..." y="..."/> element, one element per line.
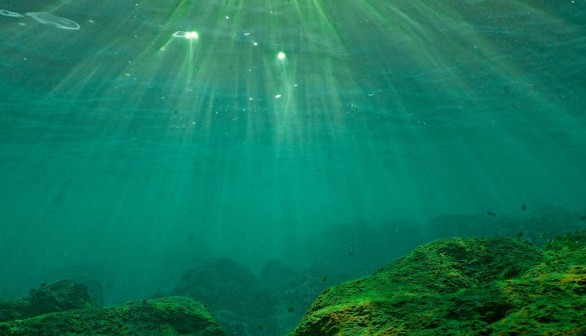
<point x="59" y="22"/>
<point x="192" y="35"/>
<point x="8" y="13"/>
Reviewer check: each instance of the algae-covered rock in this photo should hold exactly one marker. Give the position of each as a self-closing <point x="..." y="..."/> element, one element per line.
<point x="13" y="310"/>
<point x="54" y="297"/>
<point x="474" y="286"/>
<point x="165" y="316"/>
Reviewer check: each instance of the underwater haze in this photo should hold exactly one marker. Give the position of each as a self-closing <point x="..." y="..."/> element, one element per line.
<point x="141" y="138"/>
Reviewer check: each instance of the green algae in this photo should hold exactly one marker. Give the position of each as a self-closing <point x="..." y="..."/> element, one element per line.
<point x="492" y="286"/>
<point x="165" y="316"/>
<point x="58" y="296"/>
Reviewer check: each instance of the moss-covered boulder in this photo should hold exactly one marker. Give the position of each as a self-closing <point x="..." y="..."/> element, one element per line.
<point x="165" y="316"/>
<point x="474" y="286"/>
<point x="54" y="297"/>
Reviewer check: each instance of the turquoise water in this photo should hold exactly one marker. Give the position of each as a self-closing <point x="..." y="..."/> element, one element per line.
<point x="128" y="154"/>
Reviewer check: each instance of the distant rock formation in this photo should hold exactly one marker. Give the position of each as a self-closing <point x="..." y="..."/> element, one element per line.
<point x="234" y="294"/>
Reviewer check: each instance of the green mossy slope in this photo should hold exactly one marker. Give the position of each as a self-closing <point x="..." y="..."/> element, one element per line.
<point x="167" y="316"/>
<point x="474" y="286"/>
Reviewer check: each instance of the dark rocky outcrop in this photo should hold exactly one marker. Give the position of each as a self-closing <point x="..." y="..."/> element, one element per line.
<point x="234" y="294"/>
<point x="54" y="297"/>
<point x="294" y="290"/>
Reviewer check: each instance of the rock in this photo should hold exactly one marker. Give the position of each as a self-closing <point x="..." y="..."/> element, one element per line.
<point x="165" y="316"/>
<point x="13" y="310"/>
<point x="231" y="290"/>
<point x="223" y="284"/>
<point x="54" y="297"/>
<point x="294" y="290"/>
<point x="474" y="286"/>
<point x="276" y="274"/>
<point x="59" y="296"/>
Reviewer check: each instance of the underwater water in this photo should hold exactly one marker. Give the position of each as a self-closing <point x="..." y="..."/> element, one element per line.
<point x="141" y="138"/>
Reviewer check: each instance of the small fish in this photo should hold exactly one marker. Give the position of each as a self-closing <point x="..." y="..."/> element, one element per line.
<point x="261" y="327"/>
<point x="541" y="235"/>
<point x="291" y="309"/>
<point x="350" y="253"/>
<point x="523" y="206"/>
<point x="583" y="218"/>
<point x="324" y="279"/>
<point x="490" y="213"/>
<point x="520" y="234"/>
